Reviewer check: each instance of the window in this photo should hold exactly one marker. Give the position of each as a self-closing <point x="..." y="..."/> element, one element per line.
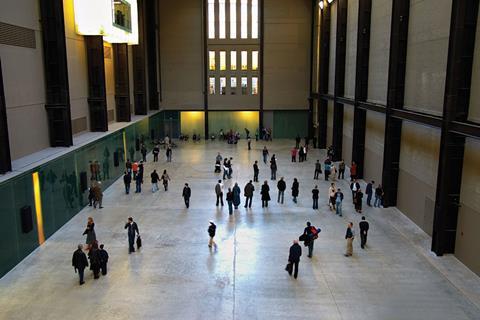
<point x="244" y="85"/>
<point x="222" y="20"/>
<point x="244" y="19"/>
<point x="211" y="87"/>
<point x="233" y="85"/>
<point x="211" y="60"/>
<point x="223" y="85"/>
<point x="254" y="19"/>
<point x="254" y="60"/>
<point x="233" y="60"/>
<point x="122" y="16"/>
<point x="254" y="85"/>
<point x="244" y="60"/>
<point x="211" y="19"/>
<point x="233" y="19"/>
<point x="223" y="60"/>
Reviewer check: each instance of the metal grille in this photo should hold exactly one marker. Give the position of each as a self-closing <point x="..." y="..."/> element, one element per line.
<point x="17" y="36"/>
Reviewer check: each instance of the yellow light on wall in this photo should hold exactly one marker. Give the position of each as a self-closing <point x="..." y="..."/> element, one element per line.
<point x="125" y="146"/>
<point x="38" y="207"/>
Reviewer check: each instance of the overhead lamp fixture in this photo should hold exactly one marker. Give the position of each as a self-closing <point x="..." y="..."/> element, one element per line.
<point x="330" y="1"/>
<point x="321" y="4"/>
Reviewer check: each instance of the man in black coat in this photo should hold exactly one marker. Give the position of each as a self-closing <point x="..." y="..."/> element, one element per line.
<point x="294" y="258"/>
<point x="186" y="194"/>
<point x="369" y="192"/>
<point x="309" y="236"/>
<point x="103" y="255"/>
<point x="281" y="185"/>
<point x="315" y="193"/>
<point x="132" y="228"/>
<point x="127" y="180"/>
<point x="248" y="193"/>
<point x="79" y="262"/>
<point x="364" y="226"/>
<point x="212" y="228"/>
<point x="255" y="171"/>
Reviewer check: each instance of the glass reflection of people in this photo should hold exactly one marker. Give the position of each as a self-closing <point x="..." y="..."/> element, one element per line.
<point x="98" y="171"/>
<point x="51" y="179"/>
<point x="106" y="164"/>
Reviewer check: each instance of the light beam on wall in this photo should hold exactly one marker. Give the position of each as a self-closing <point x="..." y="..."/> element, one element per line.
<point x="38" y="207"/>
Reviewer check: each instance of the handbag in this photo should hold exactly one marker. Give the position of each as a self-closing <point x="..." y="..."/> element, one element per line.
<point x="289" y="267"/>
<point x="139" y="242"/>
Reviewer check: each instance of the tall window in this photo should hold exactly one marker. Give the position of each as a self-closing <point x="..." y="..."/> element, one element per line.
<point x="244" y="60"/>
<point x="223" y="60"/>
<point x="211" y="60"/>
<point x="233" y="85"/>
<point x="254" y="60"/>
<point x="233" y="60"/>
<point x="222" y="19"/>
<point x="211" y="86"/>
<point x="244" y="85"/>
<point x="223" y="85"/>
<point x="211" y="19"/>
<point x="244" y="19"/>
<point x="254" y="19"/>
<point x="254" y="85"/>
<point x="233" y="19"/>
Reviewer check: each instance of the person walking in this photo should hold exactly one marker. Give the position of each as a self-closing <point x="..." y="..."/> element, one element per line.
<point x="236" y="196"/>
<point x="138" y="183"/>
<point x="265" y="192"/>
<point x="249" y="143"/>
<point x="294" y="154"/>
<point x="318" y="170"/>
<point x="255" y="171"/>
<point x="310" y="234"/>
<point x="369" y="192"/>
<point x="354" y="186"/>
<point x="341" y="170"/>
<point x="378" y="196"/>
<point x="155" y="152"/>
<point x="349" y="236"/>
<point x="165" y="179"/>
<point x="248" y="193"/>
<point x="333" y="172"/>
<point x="155" y="179"/>
<point x="230" y="168"/>
<point x="128" y="166"/>
<point x="353" y="171"/>
<point x="103" y="255"/>
<point x="98" y="195"/>
<point x="127" y="180"/>
<point x="132" y="229"/>
<point x="281" y="186"/>
<point x="225" y="168"/>
<point x="90" y="232"/>
<point x="273" y="168"/>
<point x="186" y="194"/>
<point x="135" y="169"/>
<point x="297" y="141"/>
<point x="338" y="202"/>
<point x="79" y="262"/>
<point x="305" y="152"/>
<point x="315" y="193"/>
<point x="265" y="154"/>
<point x="169" y="153"/>
<point x="358" y="200"/>
<point x="295" y="188"/>
<point x="331" y="196"/>
<point x="327" y="165"/>
<point x="143" y="151"/>
<point x="219" y="192"/>
<point x="229" y="199"/>
<point x="94" y="257"/>
<point x="364" y="226"/>
<point x="212" y="228"/>
<point x="294" y="258"/>
<point x="301" y="154"/>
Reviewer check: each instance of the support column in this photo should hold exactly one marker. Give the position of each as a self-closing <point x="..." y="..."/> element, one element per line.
<point x="312" y="53"/>
<point x="323" y="76"/>
<point x="5" y="160"/>
<point x="461" y="48"/>
<point x="97" y="97"/>
<point x="395" y="99"/>
<point x="205" y="66"/>
<point x="122" y="82"/>
<point x="138" y="56"/>
<point x="361" y="84"/>
<point x="56" y="73"/>
<point x="261" y="30"/>
<point x="339" y="90"/>
<point x="151" y="35"/>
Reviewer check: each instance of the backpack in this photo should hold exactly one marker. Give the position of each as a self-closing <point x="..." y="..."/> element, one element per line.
<point x="315" y="232"/>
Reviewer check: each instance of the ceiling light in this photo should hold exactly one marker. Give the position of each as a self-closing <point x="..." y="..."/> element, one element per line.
<point x="321" y="4"/>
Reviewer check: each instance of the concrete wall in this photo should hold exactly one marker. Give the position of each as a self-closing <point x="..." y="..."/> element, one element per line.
<point x="347" y="134"/>
<point x="109" y="81"/>
<point x="474" y="111"/>
<point x="351" y="56"/>
<point x="333" y="39"/>
<point x="287" y="54"/>
<point x="330" y="123"/>
<point x="427" y="53"/>
<point x="23" y="80"/>
<point x="379" y="50"/>
<point x="374" y="145"/>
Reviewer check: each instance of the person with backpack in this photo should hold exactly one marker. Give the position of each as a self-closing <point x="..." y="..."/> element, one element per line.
<point x="310" y="234"/>
<point x="211" y="233"/>
<point x="103" y="255"/>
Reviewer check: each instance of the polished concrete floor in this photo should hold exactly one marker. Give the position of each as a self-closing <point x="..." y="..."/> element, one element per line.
<point x="176" y="276"/>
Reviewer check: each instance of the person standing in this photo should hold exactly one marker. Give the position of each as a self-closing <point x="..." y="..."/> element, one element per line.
<point x="143" y="151"/>
<point x="341" y="170"/>
<point x="138" y="183"/>
<point x="331" y="196"/>
<point x="305" y="151"/>
<point x="378" y="196"/>
<point x="265" y="192"/>
<point x="91" y="193"/>
<point x="353" y="171"/>
<point x="364" y="226"/>
<point x="349" y="236"/>
<point x="273" y="168"/>
<point x="94" y="256"/>
<point x="358" y="200"/>
<point x="248" y="192"/>
<point x="338" y="202"/>
<point x="236" y="195"/>
<point x="132" y="229"/>
<point x="333" y="172"/>
<point x="327" y="165"/>
<point x="295" y="188"/>
<point x="294" y="154"/>
<point x="97" y="191"/>
<point x="297" y="141"/>
<point x="315" y="193"/>
<point x="135" y="169"/>
<point x="212" y="228"/>
<point x="354" y="186"/>
<point x="229" y="199"/>
<point x="90" y="232"/>
<point x="165" y="179"/>
<point x="255" y="171"/>
<point x="155" y="179"/>
<point x="318" y="170"/>
<point x="294" y="258"/>
<point x="155" y="152"/>
<point x="230" y="168"/>
<point x="128" y="166"/>
<point x="265" y="154"/>
<point x="169" y="153"/>
<point x="249" y="143"/>
<point x="225" y="168"/>
<point x="127" y="180"/>
<point x="301" y="154"/>
<point x="281" y="186"/>
<point x="310" y="234"/>
<point x="369" y="192"/>
<point x="103" y="255"/>
<point x="79" y="262"/>
<point x="219" y="192"/>
<point x="186" y="194"/>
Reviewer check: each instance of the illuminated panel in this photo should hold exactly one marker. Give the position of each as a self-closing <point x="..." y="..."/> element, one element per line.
<point x="222" y="19"/>
<point x="233" y="60"/>
<point x="244" y="19"/>
<point x="244" y="59"/>
<point x="254" y="19"/>
<point x="38" y="207"/>
<point x="211" y="19"/>
<point x="211" y="60"/>
<point x="223" y="60"/>
<point x="254" y="60"/>
<point x="233" y="19"/>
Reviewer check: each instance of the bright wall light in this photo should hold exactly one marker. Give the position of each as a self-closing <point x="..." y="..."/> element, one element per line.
<point x="330" y="1"/>
<point x="38" y="207"/>
<point x="321" y="4"/>
<point x="95" y="18"/>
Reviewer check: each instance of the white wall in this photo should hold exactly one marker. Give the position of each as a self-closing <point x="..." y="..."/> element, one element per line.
<point x="374" y="145"/>
<point x="333" y="39"/>
<point x="351" y="56"/>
